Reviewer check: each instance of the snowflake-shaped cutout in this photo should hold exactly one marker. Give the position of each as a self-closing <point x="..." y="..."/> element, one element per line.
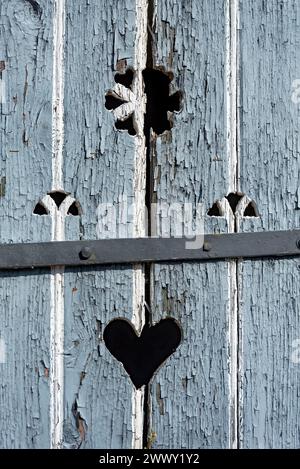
<point x="160" y="104"/>
<point x="122" y="101"/>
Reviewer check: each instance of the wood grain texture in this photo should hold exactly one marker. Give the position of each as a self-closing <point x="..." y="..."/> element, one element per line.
<point x="24" y="377"/>
<point x="269" y="290"/>
<point x="190" y="393"/>
<point x="25" y="145"/>
<point x="98" y="168"/>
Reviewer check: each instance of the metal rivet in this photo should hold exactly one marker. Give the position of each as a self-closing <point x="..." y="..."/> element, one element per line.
<point x="85" y="253"/>
<point x="206" y="246"/>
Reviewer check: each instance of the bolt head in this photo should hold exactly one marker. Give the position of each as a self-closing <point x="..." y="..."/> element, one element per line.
<point x="206" y="246"/>
<point x="85" y="253"/>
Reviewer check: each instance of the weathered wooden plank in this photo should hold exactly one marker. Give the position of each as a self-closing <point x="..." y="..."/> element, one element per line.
<point x="190" y="394"/>
<point x="24" y="380"/>
<point x="25" y="142"/>
<point x="269" y="292"/>
<point x="99" y="164"/>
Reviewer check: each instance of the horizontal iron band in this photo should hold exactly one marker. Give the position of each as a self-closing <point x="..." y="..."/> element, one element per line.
<point x="268" y="244"/>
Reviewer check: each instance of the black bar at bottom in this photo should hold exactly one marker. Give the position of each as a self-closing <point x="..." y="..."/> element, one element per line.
<point x="141" y="458"/>
<point x="128" y="251"/>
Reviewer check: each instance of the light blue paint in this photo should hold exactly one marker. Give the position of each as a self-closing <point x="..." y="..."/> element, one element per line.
<point x="25" y="159"/>
<point x="98" y="168"/>
<point x="269" y="290"/>
<point x="189" y="396"/>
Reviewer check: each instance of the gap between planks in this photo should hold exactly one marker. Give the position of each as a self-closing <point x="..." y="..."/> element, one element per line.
<point x="139" y="188"/>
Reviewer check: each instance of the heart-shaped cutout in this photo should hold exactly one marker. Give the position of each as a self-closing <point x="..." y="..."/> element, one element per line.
<point x="142" y="355"/>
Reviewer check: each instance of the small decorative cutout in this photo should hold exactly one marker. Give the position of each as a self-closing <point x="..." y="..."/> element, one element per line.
<point x="251" y="210"/>
<point x="159" y="103"/>
<point x="40" y="209"/>
<point x="122" y="101"/>
<point x="142" y="355"/>
<point x="58" y="197"/>
<point x="74" y="209"/>
<point x="233" y="200"/>
<point x="57" y="200"/>
<point x="126" y="124"/>
<point x="112" y="102"/>
<point x="214" y="211"/>
<point x="126" y="78"/>
<point x="239" y="205"/>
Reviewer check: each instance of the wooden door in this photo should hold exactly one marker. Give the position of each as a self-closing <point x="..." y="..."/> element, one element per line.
<point x="108" y="109"/>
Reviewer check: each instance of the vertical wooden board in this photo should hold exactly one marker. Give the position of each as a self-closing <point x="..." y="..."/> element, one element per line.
<point x="268" y="290"/>
<point x="269" y="360"/>
<point x="190" y="393"/>
<point x="98" y="392"/>
<point x="98" y="167"/>
<point x="24" y="395"/>
<point x="25" y="146"/>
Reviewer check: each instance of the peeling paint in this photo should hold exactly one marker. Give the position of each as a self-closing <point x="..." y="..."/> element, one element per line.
<point x="80" y="423"/>
<point x="195" y="400"/>
<point x="2" y="186"/>
<point x="269" y="291"/>
<point x="194" y="386"/>
<point x="159" y="400"/>
<point x="35" y="7"/>
<point x="104" y="397"/>
<point x="24" y="319"/>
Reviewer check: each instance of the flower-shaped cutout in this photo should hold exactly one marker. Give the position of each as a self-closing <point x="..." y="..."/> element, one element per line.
<point x="160" y="104"/>
<point x="122" y="101"/>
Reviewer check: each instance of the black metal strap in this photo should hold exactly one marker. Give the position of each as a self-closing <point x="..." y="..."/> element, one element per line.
<point x="272" y="244"/>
